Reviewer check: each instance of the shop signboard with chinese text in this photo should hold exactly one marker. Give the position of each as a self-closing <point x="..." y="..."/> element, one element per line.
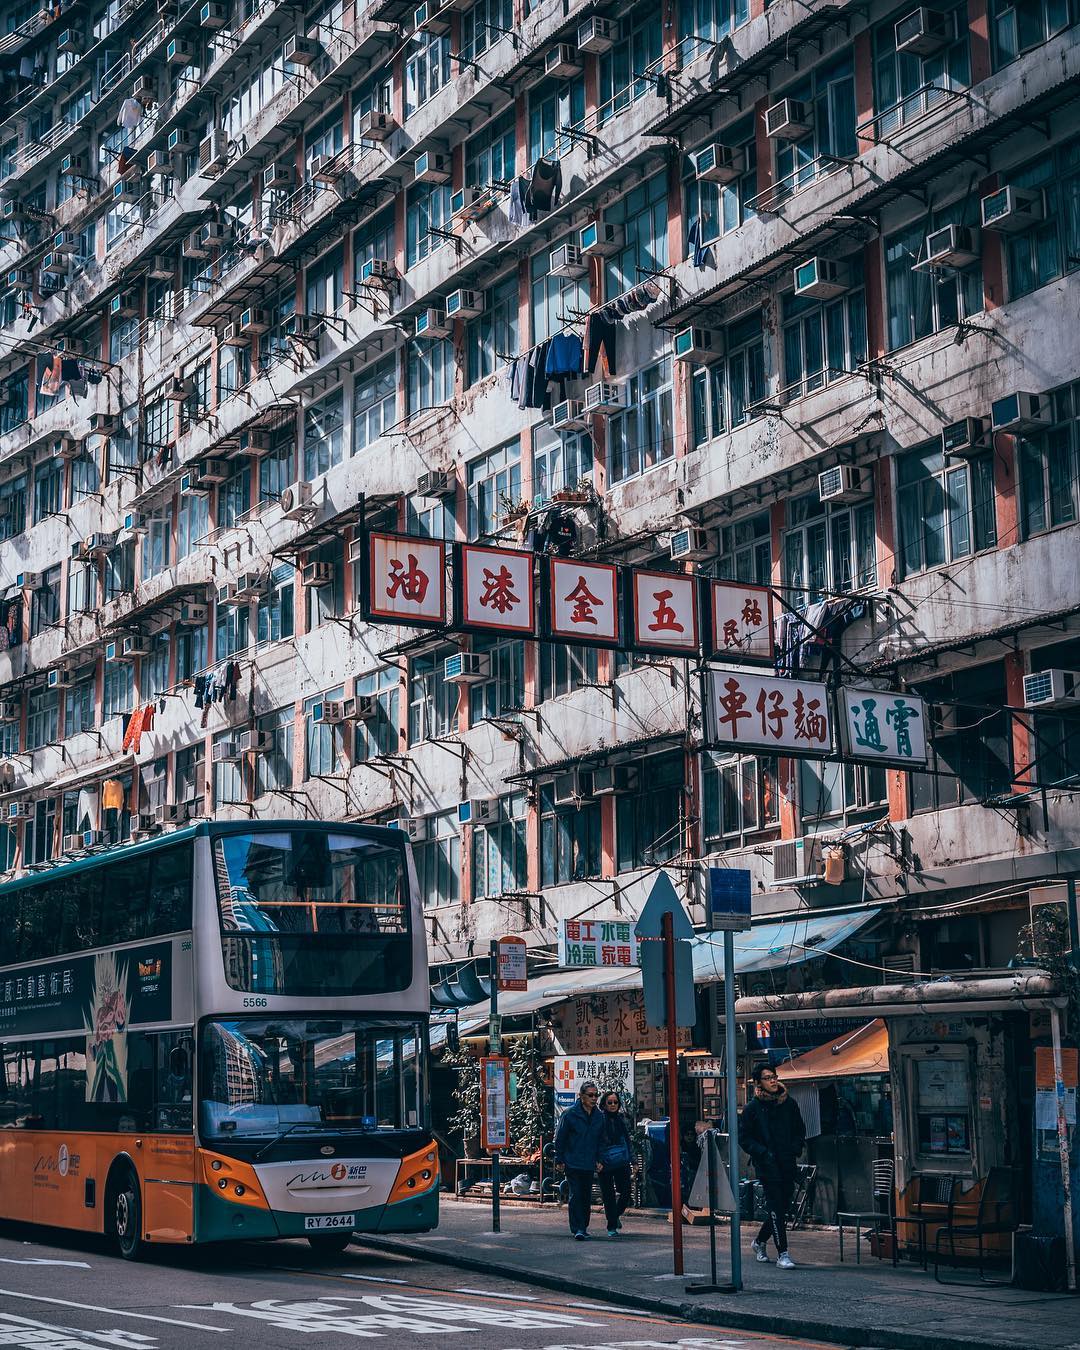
<point x="587" y="943"/>
<point x="611" y="1073"/>
<point x="664" y="612"/>
<point x="493" y="590"/>
<point x="600" y="1024"/>
<point x="704" y="1066"/>
<point x="511" y="966"/>
<point x="741" y="622"/>
<point x="767" y="712"/>
<point x="883" y="727"/>
<point x="581" y="602"/>
<point x="405" y="580"/>
<point x="494" y="1103"/>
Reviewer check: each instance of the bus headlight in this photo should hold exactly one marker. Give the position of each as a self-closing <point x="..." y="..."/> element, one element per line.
<point x="417" y="1174"/>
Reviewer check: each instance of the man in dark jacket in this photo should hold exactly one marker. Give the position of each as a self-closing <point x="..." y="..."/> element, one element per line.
<point x="772" y="1132"/>
<point x="577" y="1144"/>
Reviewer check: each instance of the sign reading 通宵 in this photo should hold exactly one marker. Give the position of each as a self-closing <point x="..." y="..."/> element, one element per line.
<point x="883" y="726"/>
<point x="585" y="943"/>
<point x="767" y="712"/>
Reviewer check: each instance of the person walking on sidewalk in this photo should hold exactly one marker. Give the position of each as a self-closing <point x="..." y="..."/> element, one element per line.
<point x="577" y="1145"/>
<point x="772" y="1132"/>
<point x="613" y="1164"/>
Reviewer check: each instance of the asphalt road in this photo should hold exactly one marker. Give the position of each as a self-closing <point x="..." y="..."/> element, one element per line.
<point x="66" y="1292"/>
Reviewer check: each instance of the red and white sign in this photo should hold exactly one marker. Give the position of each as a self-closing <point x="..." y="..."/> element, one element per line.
<point x="770" y="713"/>
<point x="406" y="580"/>
<point x="510" y="965"/>
<point x="583" y="602"/>
<point x="742" y="622"/>
<point x="665" y="612"/>
<point x="494" y="589"/>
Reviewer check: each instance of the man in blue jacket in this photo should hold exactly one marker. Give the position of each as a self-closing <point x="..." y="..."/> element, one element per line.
<point x="577" y="1144"/>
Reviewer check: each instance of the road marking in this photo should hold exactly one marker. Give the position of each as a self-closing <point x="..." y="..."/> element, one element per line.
<point x="609" y="1308"/>
<point x="114" y="1312"/>
<point x="486" y="1293"/>
<point x="373" y="1279"/>
<point x="27" y="1331"/>
<point x="41" y="1261"/>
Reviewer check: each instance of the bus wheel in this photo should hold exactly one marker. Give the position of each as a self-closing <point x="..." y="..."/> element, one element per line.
<point x="329" y="1244"/>
<point x="127" y="1216"/>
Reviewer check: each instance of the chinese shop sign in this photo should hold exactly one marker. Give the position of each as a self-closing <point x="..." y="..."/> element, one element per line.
<point x="610" y="1073"/>
<point x="767" y="712"/>
<point x="405" y="581"/>
<point x="583" y="602"/>
<point x="605" y="1024"/>
<point x="493" y="589"/>
<point x="882" y="726"/>
<point x="664" y="612"/>
<point x="741" y="619"/>
<point x="587" y="943"/>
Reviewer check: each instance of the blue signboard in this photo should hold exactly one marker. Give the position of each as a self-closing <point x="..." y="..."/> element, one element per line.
<point x="729" y="898"/>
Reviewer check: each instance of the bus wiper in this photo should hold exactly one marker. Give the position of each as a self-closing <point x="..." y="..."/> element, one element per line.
<point x="279" y="1137"/>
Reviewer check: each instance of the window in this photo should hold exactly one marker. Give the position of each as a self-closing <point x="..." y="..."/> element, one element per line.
<point x="504" y="690"/>
<point x="228" y="775"/>
<point x="944" y="511"/>
<point x="649" y="821"/>
<point x="553" y="105"/>
<point x="427" y="69"/>
<point x="45" y="602"/>
<point x="123" y="338"/>
<point x="725" y="394"/>
<point x="323" y="434"/>
<point x="252" y="96"/>
<point x="374" y="401"/>
<point x="907" y="85"/>
<point x="191" y="651"/>
<point x="13" y="507"/>
<point x="432" y="702"/>
<point x="1020" y="25"/>
<point x="490" y="154"/>
<point x="559" y="461"/>
<point x="231" y="630"/>
<point x="746" y="551"/>
<point x="157" y="426"/>
<point x="374" y="96"/>
<point x="79" y="706"/>
<point x="1056" y="735"/>
<point x="499" y="851"/>
<point x="325" y="281"/>
<point x="234" y="495"/>
<point x="920" y="302"/>
<point x="435" y="520"/>
<point x="234" y="370"/>
<point x="190" y="775"/>
<point x="120" y="570"/>
<point x="938" y="1088"/>
<point x="274" y="345"/>
<point x="484" y="24"/>
<point x="830" y="94"/>
<point x="709" y="20"/>
<point x="276" y="469"/>
<point x="428" y="207"/>
<point x="741" y="796"/>
<point x="564" y="668"/>
<point x="14" y="394"/>
<point x="636" y="52"/>
<point x="551" y="297"/>
<point x="39" y="833"/>
<point x="85" y="477"/>
<point x="570" y="848"/>
<point x="494" y="335"/>
<point x="192" y="522"/>
<point x="823" y="342"/>
<point x="155" y="546"/>
<point x="1050" y="468"/>
<point x="1051" y="248"/>
<point x="274" y="767"/>
<point x="119" y="689"/>
<point x="275" y="614"/>
<point x="327" y="602"/>
<point x="827" y="548"/>
<point x="642" y="436"/>
<point x="82" y="596"/>
<point x="829" y="791"/>
<point x="154" y="670"/>
<point x="48" y="489"/>
<point x="430" y="374"/>
<point x="643" y="215"/>
<point x="373" y="239"/>
<point x="42" y="718"/>
<point x="722" y="208"/>
<point x="438" y="861"/>
<point x="493" y="482"/>
<point x="325" y="138"/>
<point x="324" y="742"/>
<point x="970" y="746"/>
<point x="378" y="734"/>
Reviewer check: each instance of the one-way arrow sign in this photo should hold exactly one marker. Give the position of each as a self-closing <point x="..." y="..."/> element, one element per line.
<point x="663" y="900"/>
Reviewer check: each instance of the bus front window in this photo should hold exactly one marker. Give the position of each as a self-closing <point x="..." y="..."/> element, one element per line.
<point x="260" y="1076"/>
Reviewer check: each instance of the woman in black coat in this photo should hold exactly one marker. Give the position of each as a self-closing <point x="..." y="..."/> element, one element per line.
<point x="613" y="1165"/>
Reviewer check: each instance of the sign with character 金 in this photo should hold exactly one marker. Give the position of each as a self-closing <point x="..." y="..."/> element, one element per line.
<point x="741" y="622"/>
<point x="405" y="580"/>
<point x="768" y="712"/>
<point x="664" y="612"/>
<point x="582" y="602"/>
<point x="883" y="727"/>
<point x="493" y="589"/>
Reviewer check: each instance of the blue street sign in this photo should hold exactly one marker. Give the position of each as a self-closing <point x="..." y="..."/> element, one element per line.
<point x="729" y="898"/>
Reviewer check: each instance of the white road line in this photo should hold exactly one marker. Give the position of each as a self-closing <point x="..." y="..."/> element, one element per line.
<point x="115" y="1312"/>
<point x="372" y="1279"/>
<point x="608" y="1308"/>
<point x="41" y="1261"/>
<point x="486" y="1293"/>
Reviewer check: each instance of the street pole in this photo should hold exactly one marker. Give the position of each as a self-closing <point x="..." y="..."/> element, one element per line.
<point x="674" y="1141"/>
<point x="1063" y="1145"/>
<point x="494" y="1048"/>
<point x="732" y="1085"/>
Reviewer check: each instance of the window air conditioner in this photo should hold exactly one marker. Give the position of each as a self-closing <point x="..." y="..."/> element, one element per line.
<point x="28" y="581"/>
<point x="20" y="279"/>
<point x="215" y="232"/>
<point x="296" y="503"/>
<point x="212" y="471"/>
<point x="20" y="810"/>
<point x="250" y="585"/>
<point x="99" y="543"/>
<point x="56" y="264"/>
<point x="1052" y="689"/>
<point x="126" y="192"/>
<point x="254" y="321"/>
<point x="923" y="32"/>
<point x="569" y="789"/>
<point x="467" y="668"/>
<point x="226" y="595"/>
<point x="12" y="210"/>
<point x="614" y="779"/>
<point x="376" y="126"/>
<point x="1020" y="412"/>
<point x="718" y="163"/>
<point x="570" y="415"/>
<point x="952" y="246"/>
<point x="124" y="306"/>
<point x="464" y="304"/>
<point x="135" y="523"/>
<point x="145" y="87"/>
<point x="328" y="712"/>
<point x="213" y="150"/>
<point x="277" y="176"/>
<point x="299" y="51"/>
<point x="190" y="484"/>
<point x="10" y="710"/>
<point x="179" y="141"/>
<point x="691" y="545"/>
<point x="431" y="323"/>
<point x="567" y="261"/>
<point x="378" y="269"/>
<point x="57" y="678"/>
<point x="597" y="35"/>
<point x="65" y="241"/>
<point x="178" y="390"/>
<point x="254" y="443"/>
<point x="437" y="483"/>
<point x="478" y="810"/>
<point x="797" y="862"/>
<point x="318" y="574"/>
<point x="231" y="336"/>
<point x="819" y="279"/>
<point x="213" y="15"/>
<point x="191" y="615"/>
<point x="326" y="169"/>
<point x="429" y="18"/>
<point x="256" y="742"/>
<point x="364" y="707"/>
<point x="471" y="203"/>
<point x="171" y="813"/>
<point x="415" y="828"/>
<point x="1011" y="208"/>
<point x="195" y="246"/>
<point x="134" y="645"/>
<point x="431" y="167"/>
<point x="843" y="483"/>
<point x="178" y="53"/>
<point x="64" y="447"/>
<point x="70" y="40"/>
<point x="966" y="437"/>
<point x="700" y="345"/>
<point x="600" y="239"/>
<point x="605" y="398"/>
<point x="225" y="752"/>
<point x="562" y="62"/>
<point x="788" y="120"/>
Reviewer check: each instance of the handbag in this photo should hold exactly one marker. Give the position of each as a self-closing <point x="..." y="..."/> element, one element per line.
<point x="615" y="1155"/>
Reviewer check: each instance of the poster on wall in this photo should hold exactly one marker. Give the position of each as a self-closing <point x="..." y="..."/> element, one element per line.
<point x="610" y="1073"/>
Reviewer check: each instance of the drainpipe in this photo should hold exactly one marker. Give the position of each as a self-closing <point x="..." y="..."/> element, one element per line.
<point x="1063" y="1146"/>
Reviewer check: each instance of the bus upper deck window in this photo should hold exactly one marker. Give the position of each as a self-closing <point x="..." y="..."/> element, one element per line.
<point x="308" y="866"/>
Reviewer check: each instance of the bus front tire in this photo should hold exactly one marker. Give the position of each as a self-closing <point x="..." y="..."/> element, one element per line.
<point x="329" y="1244"/>
<point x="126" y="1210"/>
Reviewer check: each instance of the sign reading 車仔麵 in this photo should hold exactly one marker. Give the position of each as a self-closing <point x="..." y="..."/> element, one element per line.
<point x="585" y="943"/>
<point x="768" y="712"/>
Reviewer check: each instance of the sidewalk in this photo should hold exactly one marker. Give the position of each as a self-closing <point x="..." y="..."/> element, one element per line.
<point x="867" y="1305"/>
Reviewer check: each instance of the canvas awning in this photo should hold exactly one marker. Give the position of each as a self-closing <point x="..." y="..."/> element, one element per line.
<point x="855" y="1052"/>
<point x="1016" y="992"/>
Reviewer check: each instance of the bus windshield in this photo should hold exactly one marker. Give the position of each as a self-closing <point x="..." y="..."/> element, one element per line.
<point x="313" y="912"/>
<point x="260" y="1076"/>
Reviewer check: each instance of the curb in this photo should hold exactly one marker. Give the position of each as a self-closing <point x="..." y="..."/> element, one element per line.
<point x="835" y="1332"/>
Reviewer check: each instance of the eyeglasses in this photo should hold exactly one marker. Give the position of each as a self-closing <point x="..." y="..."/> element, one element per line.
<point x="590" y="1094"/>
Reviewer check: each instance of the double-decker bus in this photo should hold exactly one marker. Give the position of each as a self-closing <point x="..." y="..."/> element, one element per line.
<point x="219" y="1033"/>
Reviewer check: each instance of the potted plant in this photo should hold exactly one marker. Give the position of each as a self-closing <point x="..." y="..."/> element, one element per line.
<point x="514" y="511"/>
<point x="574" y="496"/>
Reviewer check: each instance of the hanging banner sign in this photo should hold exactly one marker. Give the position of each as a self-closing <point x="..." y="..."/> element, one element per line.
<point x="767" y="712"/>
<point x="511" y="965"/>
<point x="405" y="580"/>
<point x="494" y="1103"/>
<point x="883" y="727"/>
<point x="582" y="602"/>
<point x="610" y="1073"/>
<point x="664" y="615"/>
<point x="741" y="622"/>
<point x="493" y="590"/>
<point x="587" y="943"/>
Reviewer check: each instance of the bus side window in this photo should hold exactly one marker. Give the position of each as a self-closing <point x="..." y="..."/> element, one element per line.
<point x="15" y="1089"/>
<point x="175" y="1051"/>
<point x="125" y="917"/>
<point x="170" y="891"/>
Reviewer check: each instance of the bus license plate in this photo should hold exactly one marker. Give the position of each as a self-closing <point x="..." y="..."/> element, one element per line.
<point x="324" y="1221"/>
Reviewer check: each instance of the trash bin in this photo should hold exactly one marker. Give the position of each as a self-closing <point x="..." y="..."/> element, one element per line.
<point x="1039" y="1262"/>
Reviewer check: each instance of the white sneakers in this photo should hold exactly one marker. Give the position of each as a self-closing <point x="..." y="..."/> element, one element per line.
<point x="758" y="1248"/>
<point x="785" y="1262"/>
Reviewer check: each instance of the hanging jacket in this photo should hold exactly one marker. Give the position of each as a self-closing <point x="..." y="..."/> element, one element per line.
<point x="545" y="187"/>
<point x="693" y="240"/>
<point x="564" y="358"/>
<point x="516" y="210"/>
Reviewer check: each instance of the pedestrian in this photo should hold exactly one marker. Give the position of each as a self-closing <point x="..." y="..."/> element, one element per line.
<point x="772" y="1132"/>
<point x="577" y="1144"/>
<point x="613" y="1163"/>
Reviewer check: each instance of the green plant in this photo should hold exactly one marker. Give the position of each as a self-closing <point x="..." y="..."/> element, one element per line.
<point x="465" y="1117"/>
<point x="531" y="1111"/>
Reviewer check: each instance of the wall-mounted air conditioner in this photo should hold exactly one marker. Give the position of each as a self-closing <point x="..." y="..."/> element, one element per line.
<point x="605" y="397"/>
<point x="599" y="239"/>
<point x="691" y="545"/>
<point x="318" y="574"/>
<point x="379" y="270"/>
<point x="299" y="51"/>
<point x="225" y="752"/>
<point x="126" y="192"/>
<point x="718" y="163"/>
<point x="562" y="62"/>
<point x="471" y="203"/>
<point x="431" y="167"/>
<point x="478" y="810"/>
<point x="437" y="483"/>
<point x="213" y="15"/>
<point x="1047" y="689"/>
<point x="179" y="53"/>
<point x="597" y="35"/>
<point x="1020" y="412"/>
<point x="376" y="126"/>
<point x="952" y="246"/>
<point x="788" y="120"/>
<point x="843" y="483"/>
<point x="699" y="345"/>
<point x="1011" y="208"/>
<point x="464" y="304"/>
<point x="965" y="437"/>
<point x="570" y="415"/>
<point x="820" y="279"/>
<point x="614" y="779"/>
<point x="797" y="862"/>
<point x="254" y="321"/>
<point x="570" y="789"/>
<point x="924" y="32"/>
<point x="256" y="742"/>
<point x="431" y="323"/>
<point x="567" y="261"/>
<point x="467" y="668"/>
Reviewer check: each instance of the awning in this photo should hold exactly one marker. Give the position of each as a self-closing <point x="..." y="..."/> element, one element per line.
<point x="89" y="772"/>
<point x="1026" y="989"/>
<point x="855" y="1052"/>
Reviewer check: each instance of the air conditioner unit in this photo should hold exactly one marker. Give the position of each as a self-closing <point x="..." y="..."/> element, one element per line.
<point x="562" y="62"/>
<point x="99" y="543"/>
<point x="255" y="742"/>
<point x="700" y="345"/>
<point x="254" y="443"/>
<point x="190" y="484"/>
<point x="691" y="544"/>
<point x="467" y="668"/>
<point x="464" y="304"/>
<point x="1011" y="208"/>
<point x="966" y="437"/>
<point x="20" y="810"/>
<point x="64" y="447"/>
<point x="328" y="712"/>
<point x="946" y="720"/>
<point x="296" y="503"/>
<point x="797" y="862"/>
<point x="254" y="321"/>
<point x="431" y="167"/>
<point x="277" y="175"/>
<point x="57" y="678"/>
<point x="12" y="210"/>
<point x="10" y="710"/>
<point x="124" y="306"/>
<point x="226" y="595"/>
<point x="843" y="483"/>
<point x="567" y="261"/>
<point x="213" y="15"/>
<point x="20" y="279"/>
<point x="231" y="336"/>
<point x="415" y="828"/>
<point x="788" y="120"/>
<point x="718" y="163"/>
<point x="73" y="843"/>
<point x="65" y="241"/>
<point x="376" y="126"/>
<point x="225" y="752"/>
<point x="378" y="269"/>
<point x="605" y="397"/>
<point x="1020" y="412"/>
<point x="191" y="615"/>
<point x="178" y="390"/>
<point x="135" y="523"/>
<point x="215" y="232"/>
<point x="600" y="239"/>
<point x="318" y="574"/>
<point x="300" y="51"/>
<point x="179" y="141"/>
<point x="213" y="150"/>
<point x="195" y="246"/>
<point x="431" y="323"/>
<point x="952" y="246"/>
<point x="923" y="32"/>
<point x="171" y="813"/>
<point x="70" y="40"/>
<point x="56" y="264"/>
<point x="134" y="645"/>
<point x="819" y="279"/>
<point x="126" y="192"/>
<point x="614" y="779"/>
<point x="28" y="581"/>
<point x="1052" y="689"/>
<point x="363" y="708"/>
<point x="570" y="415"/>
<point x="478" y="810"/>
<point x="145" y="87"/>
<point x="597" y="35"/>
<point x="161" y="269"/>
<point x="471" y="203"/>
<point x="211" y="471"/>
<point x="569" y="789"/>
<point x="178" y="53"/>
<point x="437" y="483"/>
<point x="250" y="585"/>
<point x="429" y="17"/>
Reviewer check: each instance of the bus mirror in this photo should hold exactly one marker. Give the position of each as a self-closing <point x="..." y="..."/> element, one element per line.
<point x="309" y="861"/>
